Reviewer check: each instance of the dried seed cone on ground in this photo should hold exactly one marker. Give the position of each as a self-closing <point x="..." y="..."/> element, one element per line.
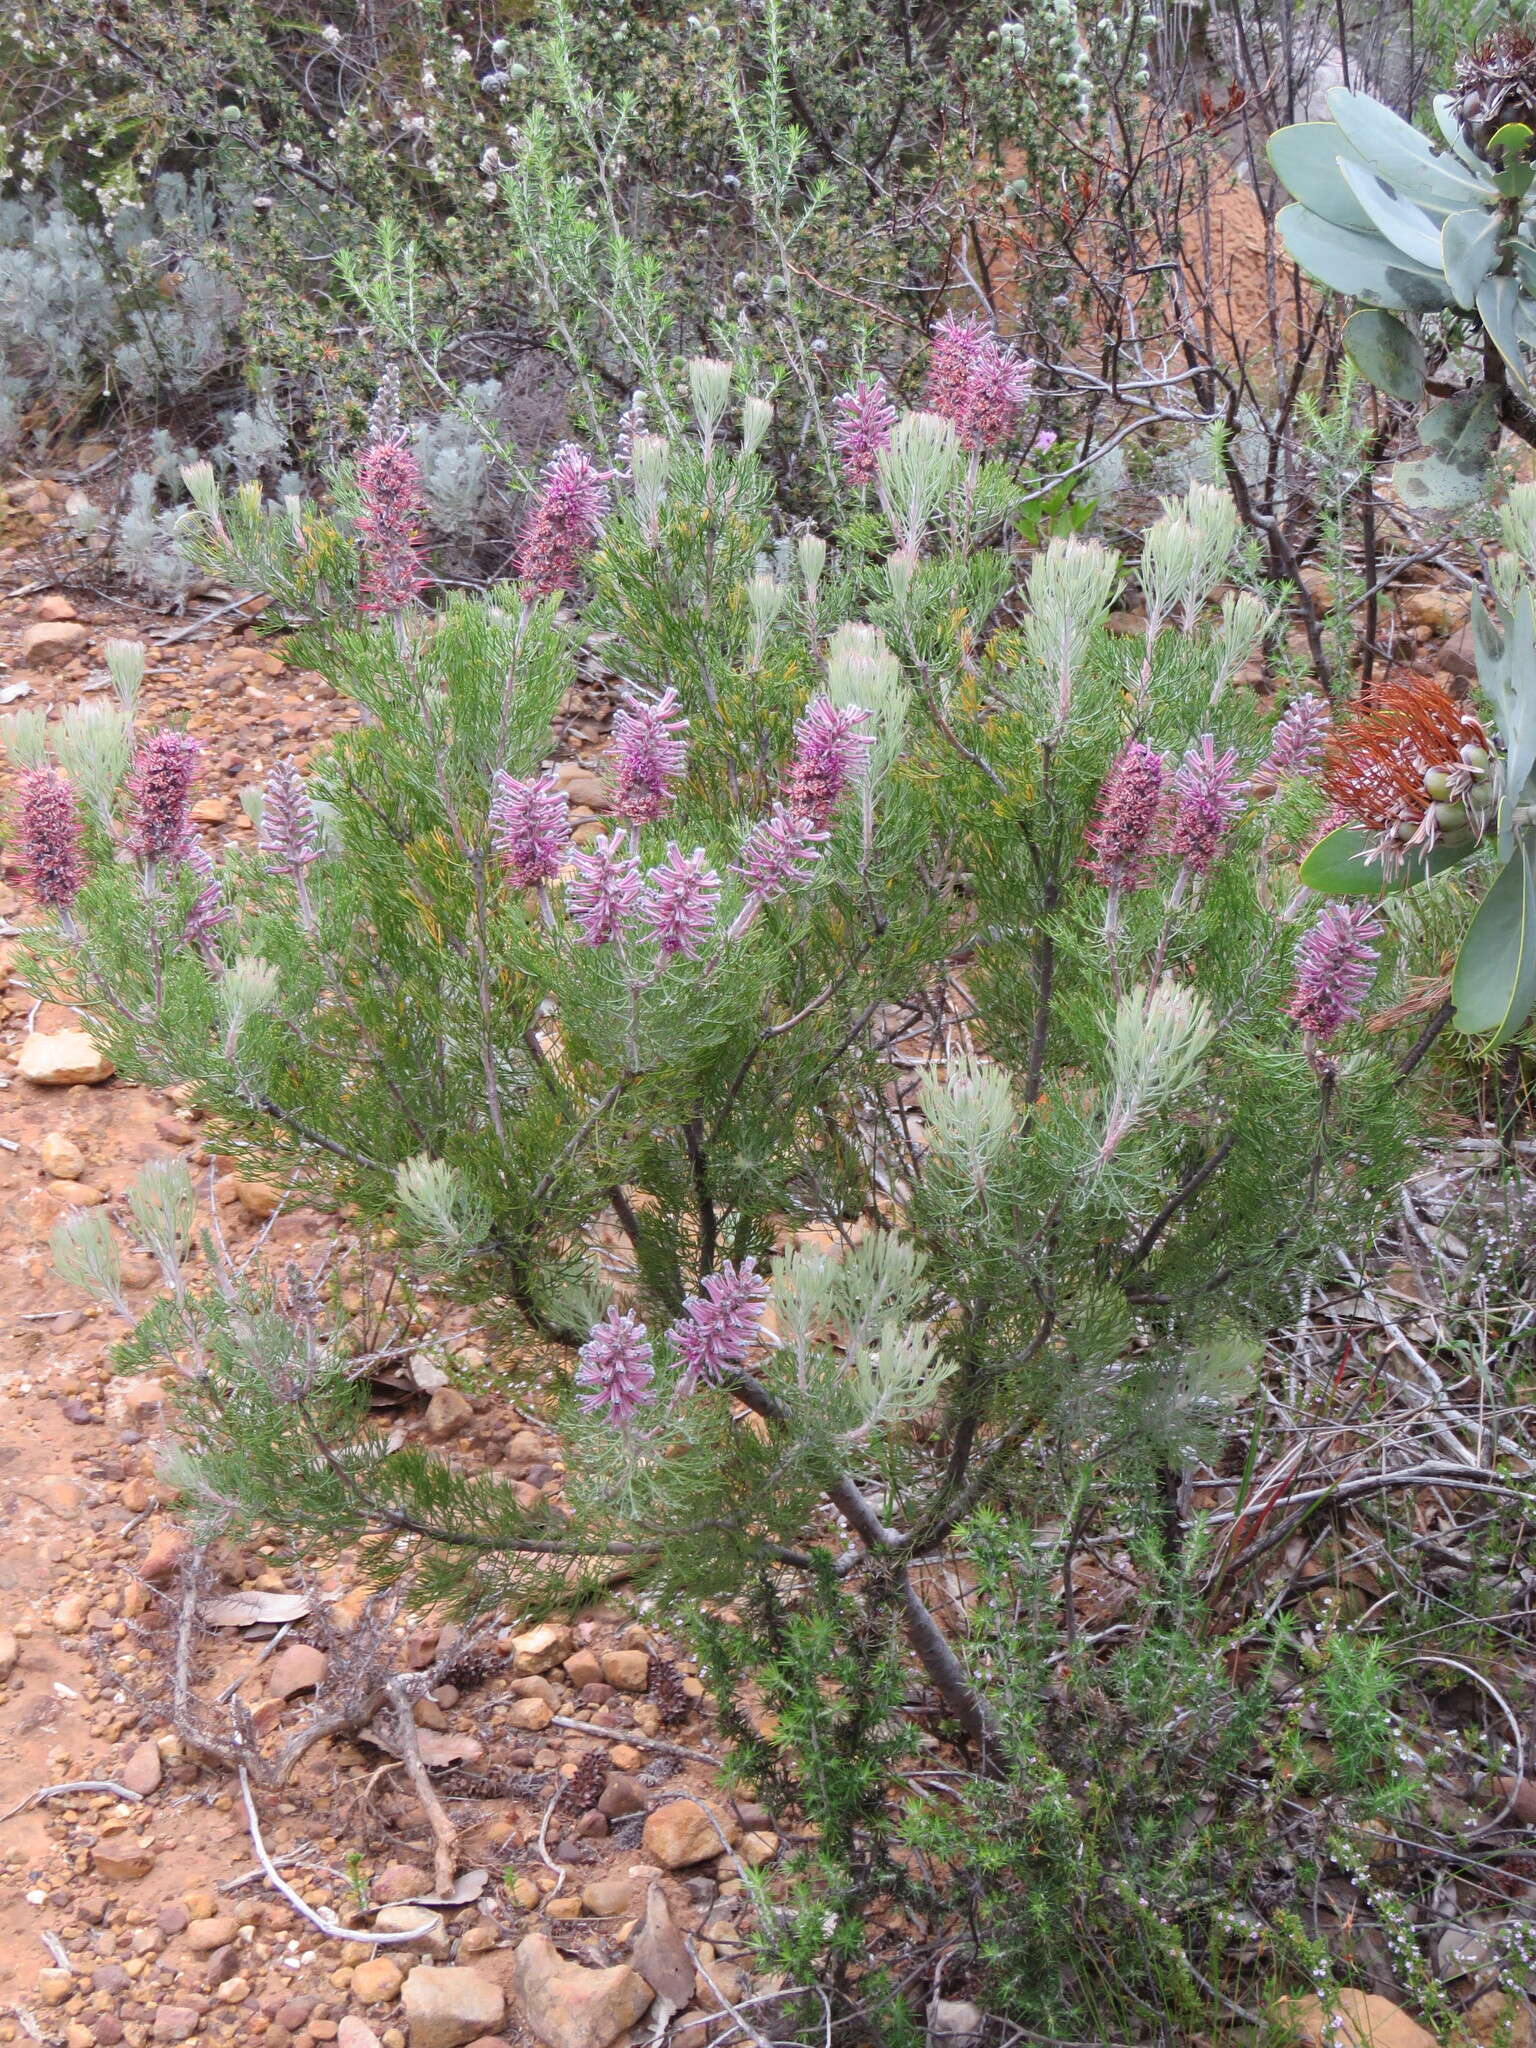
<point x="669" y="1692"/>
<point x="585" y="1785"/>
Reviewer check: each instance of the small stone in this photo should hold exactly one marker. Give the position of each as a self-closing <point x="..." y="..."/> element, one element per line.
<point x="120" y="1859"/>
<point x="143" y="1771"/>
<point x="211" y="810"/>
<point x="570" y="2006"/>
<point x="233" y="1990"/>
<point x="757" y="1848"/>
<point x="175" y="2022"/>
<point x="541" y="1649"/>
<point x="55" y="606"/>
<point x="685" y="1831"/>
<point x="429" y="1928"/>
<point x="52" y="642"/>
<point x="1498" y="2017"/>
<point x="479" y="1939"/>
<point x="173" y="1919"/>
<point x="258" y="1199"/>
<point x="448" y="1414"/>
<point x="297" y="1668"/>
<point x="377" y="1981"/>
<point x="69" y="1616"/>
<point x="627" y="1670"/>
<point x="525" y="1893"/>
<point x="582" y="1668"/>
<point x="530" y="1714"/>
<point x="1520" y="1793"/>
<point x="54" y="1986"/>
<point x="1363" y="2019"/>
<point x="61" y="1157"/>
<point x="9" y="1652"/>
<point x="605" y="1898"/>
<point x="619" y="1796"/>
<point x="356" y="2033"/>
<point x="72" y="1194"/>
<point x="204" y="1936"/>
<point x="167" y="1547"/>
<point x="625" y="1757"/>
<point x="955" y="2023"/>
<point x="397" y="1881"/>
<point x="451" y="2008"/>
<point x="61" y="1059"/>
<point x="136" y="1403"/>
<point x="566" y="1907"/>
<point x="201" y="1904"/>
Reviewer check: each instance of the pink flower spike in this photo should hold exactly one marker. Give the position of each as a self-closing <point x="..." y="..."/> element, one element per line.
<point x="209" y="910"/>
<point x="720" y="1324"/>
<point x="160" y="785"/>
<point x="1210" y="801"/>
<point x="678" y="906"/>
<point x="778" y="854"/>
<point x="1299" y="737"/>
<point x="529" y="828"/>
<point x="290" y="831"/>
<point x="649" y="753"/>
<point x="831" y="755"/>
<point x="389" y="527"/>
<point x="616" y="1366"/>
<point x="976" y="382"/>
<point x="1125" y="826"/>
<point x="565" y="523"/>
<point x="604" y="888"/>
<point x="1335" y="966"/>
<point x="50" y="837"/>
<point x="862" y="423"/>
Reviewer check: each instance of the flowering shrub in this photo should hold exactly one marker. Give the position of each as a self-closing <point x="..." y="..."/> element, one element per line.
<point x="925" y="1067"/>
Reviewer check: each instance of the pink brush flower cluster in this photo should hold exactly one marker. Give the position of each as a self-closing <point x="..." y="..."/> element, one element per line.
<point x="530" y="829"/>
<point x="389" y="526"/>
<point x="605" y="886"/>
<point x="778" y="854"/>
<point x="862" y="420"/>
<point x="290" y="831"/>
<point x="649" y="755"/>
<point x="1209" y="797"/>
<point x="48" y="829"/>
<point x="159" y="790"/>
<point x="209" y="910"/>
<point x="1299" y="738"/>
<point x="720" y="1324"/>
<point x="615" y="1366"/>
<point x="677" y="906"/>
<point x="1335" y="966"/>
<point x="976" y="382"/>
<point x="565" y="523"/>
<point x="1126" y="823"/>
<point x="831" y="755"/>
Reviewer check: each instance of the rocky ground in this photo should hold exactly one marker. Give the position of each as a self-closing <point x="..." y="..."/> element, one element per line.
<point x="599" y="1869"/>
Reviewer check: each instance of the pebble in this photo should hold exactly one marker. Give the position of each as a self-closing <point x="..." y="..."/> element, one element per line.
<point x="377" y="1981"/>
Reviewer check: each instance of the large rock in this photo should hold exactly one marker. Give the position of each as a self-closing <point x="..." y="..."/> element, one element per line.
<point x="450" y="2008"/>
<point x="1362" y="2020"/>
<point x="687" y="1831"/>
<point x="59" y="1059"/>
<point x="570" y="2006"/>
<point x="52" y="642"/>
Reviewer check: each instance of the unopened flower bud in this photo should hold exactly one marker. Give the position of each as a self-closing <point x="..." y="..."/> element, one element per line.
<point x="1437" y="783"/>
